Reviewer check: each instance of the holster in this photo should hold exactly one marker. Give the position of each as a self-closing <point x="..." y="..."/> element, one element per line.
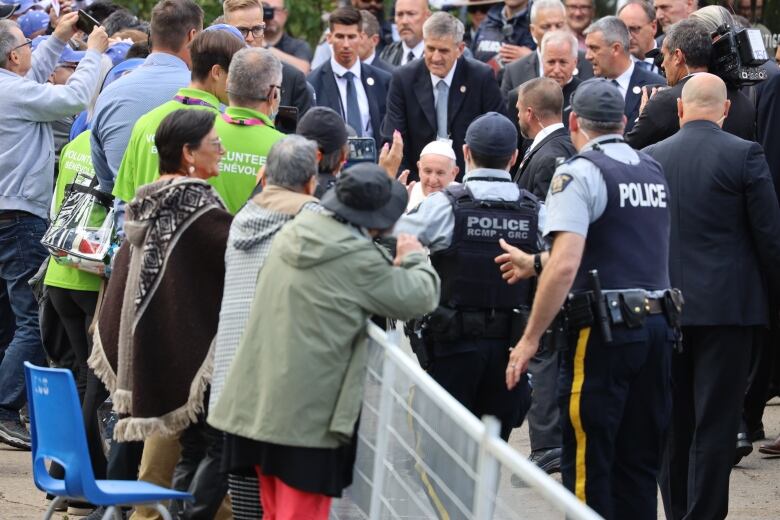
<point x="673" y="303"/>
<point x="422" y="346"/>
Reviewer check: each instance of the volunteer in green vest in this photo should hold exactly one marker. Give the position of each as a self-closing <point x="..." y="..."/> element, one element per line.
<point x="211" y="53"/>
<point x="246" y="128"/>
<point x="73" y="296"/>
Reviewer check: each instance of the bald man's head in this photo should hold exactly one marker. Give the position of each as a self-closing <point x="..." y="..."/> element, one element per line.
<point x="704" y="97"/>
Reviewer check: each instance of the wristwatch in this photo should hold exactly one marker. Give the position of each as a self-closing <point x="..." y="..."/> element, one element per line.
<point x="538" y="264"/>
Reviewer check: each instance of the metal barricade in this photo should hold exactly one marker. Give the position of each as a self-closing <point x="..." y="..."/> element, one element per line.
<point x="421" y="454"/>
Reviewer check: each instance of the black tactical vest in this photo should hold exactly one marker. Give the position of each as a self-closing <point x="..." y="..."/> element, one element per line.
<point x="629" y="243"/>
<point x="470" y="279"/>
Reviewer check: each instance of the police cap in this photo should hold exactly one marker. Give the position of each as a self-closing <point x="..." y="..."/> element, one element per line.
<point x="598" y="99"/>
<point x="492" y="134"/>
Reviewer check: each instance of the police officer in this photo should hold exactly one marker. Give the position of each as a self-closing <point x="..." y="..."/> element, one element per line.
<point x="608" y="218"/>
<point x="469" y="334"/>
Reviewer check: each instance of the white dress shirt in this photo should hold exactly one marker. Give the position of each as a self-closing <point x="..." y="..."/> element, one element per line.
<point x="417" y="50"/>
<point x="447" y="79"/>
<point x="541" y="63"/>
<point x="624" y="80"/>
<point x="362" y="98"/>
<point x="543" y="133"/>
<point x="370" y="59"/>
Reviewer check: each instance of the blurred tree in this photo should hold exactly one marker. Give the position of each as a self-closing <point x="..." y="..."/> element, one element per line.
<point x="306" y="18"/>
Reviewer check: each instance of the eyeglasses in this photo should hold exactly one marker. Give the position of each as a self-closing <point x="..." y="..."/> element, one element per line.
<point x="217" y="144"/>
<point x="25" y="44"/>
<point x="257" y="31"/>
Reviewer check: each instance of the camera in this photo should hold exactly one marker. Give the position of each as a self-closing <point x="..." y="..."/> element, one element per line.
<point x="737" y="56"/>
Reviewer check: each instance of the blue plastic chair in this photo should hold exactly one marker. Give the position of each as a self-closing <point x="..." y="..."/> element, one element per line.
<point x="57" y="433"/>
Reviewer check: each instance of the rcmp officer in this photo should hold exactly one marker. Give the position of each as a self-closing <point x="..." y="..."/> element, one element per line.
<point x="607" y="215"/>
<point x="469" y="333"/>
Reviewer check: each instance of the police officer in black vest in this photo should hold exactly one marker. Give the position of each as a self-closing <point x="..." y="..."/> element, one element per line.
<point x="608" y="267"/>
<point x="480" y="316"/>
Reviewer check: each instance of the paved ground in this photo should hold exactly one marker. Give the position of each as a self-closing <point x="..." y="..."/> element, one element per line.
<point x="755" y="484"/>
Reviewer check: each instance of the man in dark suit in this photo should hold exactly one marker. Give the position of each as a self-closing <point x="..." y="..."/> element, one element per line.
<point x="247" y="17"/>
<point x="559" y="54"/>
<point x="353" y="89"/>
<point x="410" y="15"/>
<point x="669" y="12"/>
<point x="559" y="49"/>
<point x="725" y="240"/>
<point x="440" y="95"/>
<point x="540" y="112"/>
<point x="686" y="50"/>
<point x="608" y="44"/>
<point x="546" y="16"/>
<point x="539" y="108"/>
<point x="370" y="40"/>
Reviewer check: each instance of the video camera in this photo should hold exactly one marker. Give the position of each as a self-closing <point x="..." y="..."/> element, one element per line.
<point x="737" y="54"/>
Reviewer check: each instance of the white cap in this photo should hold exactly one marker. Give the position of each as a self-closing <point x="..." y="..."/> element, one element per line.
<point x="439" y="147"/>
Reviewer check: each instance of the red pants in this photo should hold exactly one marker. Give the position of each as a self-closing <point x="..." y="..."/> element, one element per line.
<point x="282" y="502"/>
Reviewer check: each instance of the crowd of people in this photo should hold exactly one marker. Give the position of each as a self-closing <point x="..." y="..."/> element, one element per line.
<point x="576" y="218"/>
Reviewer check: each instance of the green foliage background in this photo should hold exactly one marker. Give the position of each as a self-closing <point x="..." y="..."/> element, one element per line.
<point x="305" y="20"/>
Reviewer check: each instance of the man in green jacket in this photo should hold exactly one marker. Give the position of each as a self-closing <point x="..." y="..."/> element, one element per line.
<point x="247" y="127"/>
<point x="294" y="390"/>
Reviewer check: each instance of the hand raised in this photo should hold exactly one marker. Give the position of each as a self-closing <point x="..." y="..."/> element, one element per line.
<point x="406" y="244"/>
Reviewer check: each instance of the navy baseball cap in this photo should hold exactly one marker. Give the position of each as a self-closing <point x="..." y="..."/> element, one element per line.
<point x="324" y="126"/>
<point x="492" y="134"/>
<point x="598" y="99"/>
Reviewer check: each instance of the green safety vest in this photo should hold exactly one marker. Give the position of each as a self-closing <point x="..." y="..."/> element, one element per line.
<point x="247" y="136"/>
<point x="141" y="164"/>
<point x="75" y="158"/>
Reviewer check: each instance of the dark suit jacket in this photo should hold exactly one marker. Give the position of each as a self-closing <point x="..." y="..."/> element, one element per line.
<point x="639" y="78"/>
<point x="725" y="234"/>
<point x="375" y="83"/>
<point x="411" y="110"/>
<point x="393" y="54"/>
<point x="659" y="118"/>
<point x="768" y="129"/>
<point x="520" y="71"/>
<point x="381" y="64"/>
<point x="295" y="92"/>
<point x="536" y="170"/>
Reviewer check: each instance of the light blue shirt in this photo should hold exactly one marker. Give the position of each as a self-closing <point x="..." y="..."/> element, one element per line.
<point x="28" y="106"/>
<point x="123" y="102"/>
<point x="433" y="222"/>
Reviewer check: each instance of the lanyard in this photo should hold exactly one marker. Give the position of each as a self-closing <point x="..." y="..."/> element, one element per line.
<point x="192" y="101"/>
<point x="243" y="122"/>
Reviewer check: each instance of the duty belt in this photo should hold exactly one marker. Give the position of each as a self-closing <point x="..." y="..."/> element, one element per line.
<point x="627" y="308"/>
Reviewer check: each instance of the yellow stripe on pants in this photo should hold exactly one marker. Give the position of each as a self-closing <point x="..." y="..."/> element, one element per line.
<point x="574" y="412"/>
